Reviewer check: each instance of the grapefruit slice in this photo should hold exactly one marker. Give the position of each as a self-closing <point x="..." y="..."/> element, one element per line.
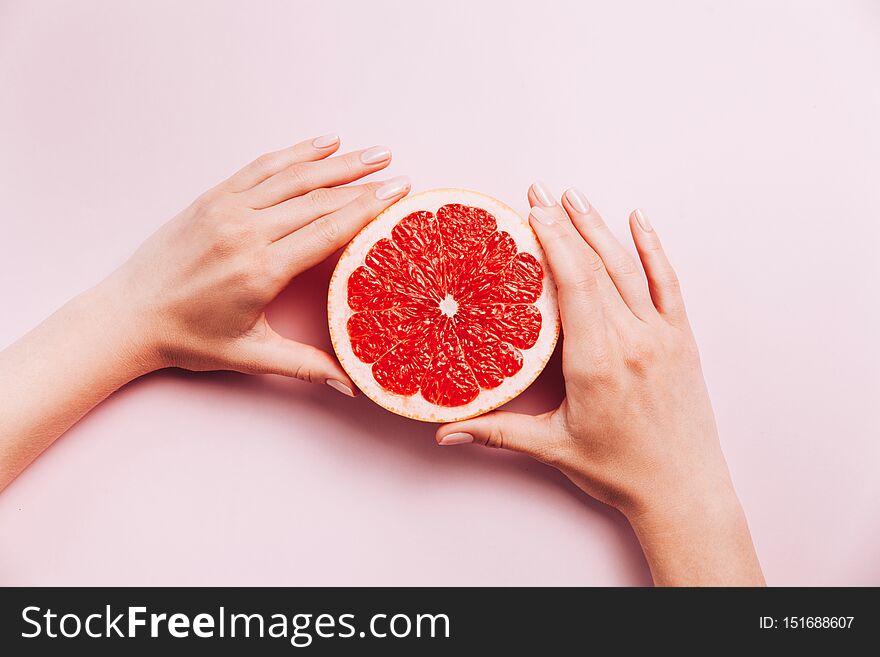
<point x="443" y="307"/>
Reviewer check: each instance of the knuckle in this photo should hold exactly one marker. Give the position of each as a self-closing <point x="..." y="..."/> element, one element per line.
<point x="231" y="232"/>
<point x="226" y="235"/>
<point x="303" y="373"/>
<point x="593" y="222"/>
<point x="352" y="165"/>
<point x="585" y="284"/>
<point x="366" y="202"/>
<point x="495" y="438"/>
<point x="203" y="203"/>
<point x="299" y="176"/>
<point x="653" y="245"/>
<point x="669" y="279"/>
<point x="327" y="229"/>
<point x="601" y="368"/>
<point x="265" y="163"/>
<point x="623" y="266"/>
<point x="320" y="198"/>
<point x="593" y="261"/>
<point x="365" y="208"/>
<point x="559" y="230"/>
<point x="578" y="374"/>
<point x="640" y="355"/>
<point x="209" y="208"/>
<point x="214" y="215"/>
<point x="589" y="366"/>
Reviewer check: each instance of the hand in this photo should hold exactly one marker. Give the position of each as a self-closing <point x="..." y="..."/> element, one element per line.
<point x="193" y="295"/>
<point x="636" y="429"/>
<point x="202" y="281"/>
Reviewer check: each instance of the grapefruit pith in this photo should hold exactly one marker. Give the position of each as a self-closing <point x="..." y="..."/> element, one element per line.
<point x="443" y="307"/>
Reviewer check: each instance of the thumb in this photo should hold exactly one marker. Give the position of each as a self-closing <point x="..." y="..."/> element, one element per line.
<point x="274" y="354"/>
<point x="520" y="433"/>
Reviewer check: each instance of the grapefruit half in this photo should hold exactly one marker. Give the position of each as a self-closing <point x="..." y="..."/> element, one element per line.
<point x="443" y="307"/>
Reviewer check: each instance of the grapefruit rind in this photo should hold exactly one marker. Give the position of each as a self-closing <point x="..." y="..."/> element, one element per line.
<point x="416" y="406"/>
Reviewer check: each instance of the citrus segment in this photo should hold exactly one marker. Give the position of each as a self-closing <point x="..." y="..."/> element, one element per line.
<point x="444" y="306"/>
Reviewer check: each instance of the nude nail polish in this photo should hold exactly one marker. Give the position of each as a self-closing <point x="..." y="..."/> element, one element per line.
<point x="542" y="216"/>
<point x="393" y="187"/>
<point x="459" y="438"/>
<point x="643" y="221"/>
<point x="339" y="386"/>
<point x="578" y="201"/>
<point x="543" y="194"/>
<point x="376" y="154"/>
<point x="326" y="141"/>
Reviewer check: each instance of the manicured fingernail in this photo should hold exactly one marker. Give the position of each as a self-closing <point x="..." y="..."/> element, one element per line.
<point x="542" y="216"/>
<point x="545" y="198"/>
<point x="376" y="154"/>
<point x="456" y="439"/>
<point x="393" y="187"/>
<point x="326" y="141"/>
<point x="643" y="221"/>
<point x="578" y="201"/>
<point x="339" y="386"/>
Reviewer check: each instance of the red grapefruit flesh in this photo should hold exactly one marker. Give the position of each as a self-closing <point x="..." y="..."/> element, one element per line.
<point x="443" y="307"/>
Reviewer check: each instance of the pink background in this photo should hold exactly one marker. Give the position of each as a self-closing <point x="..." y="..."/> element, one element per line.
<point x="748" y="131"/>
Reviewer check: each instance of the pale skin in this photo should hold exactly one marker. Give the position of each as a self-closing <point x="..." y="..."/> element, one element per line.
<point x="193" y="294"/>
<point x="636" y="429"/>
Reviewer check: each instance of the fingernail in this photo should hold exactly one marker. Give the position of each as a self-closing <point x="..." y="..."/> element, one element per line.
<point x="578" y="201"/>
<point x="545" y="198"/>
<point x="392" y="188"/>
<point x="542" y="216"/>
<point x="376" y="154"/>
<point x="456" y="439"/>
<point x="643" y="221"/>
<point x="326" y="141"/>
<point x="339" y="386"/>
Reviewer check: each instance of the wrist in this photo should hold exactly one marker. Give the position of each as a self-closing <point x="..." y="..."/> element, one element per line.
<point x="122" y="327"/>
<point x="688" y="509"/>
<point x="699" y="538"/>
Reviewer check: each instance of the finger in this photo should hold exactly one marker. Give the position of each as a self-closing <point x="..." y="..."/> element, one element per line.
<point x="662" y="279"/>
<point x="625" y="273"/>
<point x="303" y="177"/>
<point x="513" y="431"/>
<point x="274" y="354"/>
<point x="293" y="214"/>
<point x="611" y="300"/>
<point x="574" y="265"/>
<point x="271" y="163"/>
<point x="313" y="243"/>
